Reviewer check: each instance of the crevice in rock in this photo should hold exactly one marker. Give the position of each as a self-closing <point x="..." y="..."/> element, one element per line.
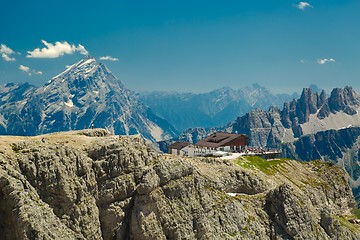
<point x="277" y="228"/>
<point x="8" y="219"/>
<point x="123" y="231"/>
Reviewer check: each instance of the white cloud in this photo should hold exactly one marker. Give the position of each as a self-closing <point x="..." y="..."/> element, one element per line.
<point x="6" y="53"/>
<point x="7" y="58"/>
<point x="27" y="70"/>
<point x="56" y="50"/>
<point x="108" y="58"/>
<point x="303" y="5"/>
<point x="37" y="72"/>
<point x="325" y="60"/>
<point x="80" y="48"/>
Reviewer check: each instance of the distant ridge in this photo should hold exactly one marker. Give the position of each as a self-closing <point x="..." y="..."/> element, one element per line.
<point x="212" y="109"/>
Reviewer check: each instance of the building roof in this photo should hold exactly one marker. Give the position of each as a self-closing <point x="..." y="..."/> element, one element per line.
<point x="179" y="145"/>
<point x="219" y="139"/>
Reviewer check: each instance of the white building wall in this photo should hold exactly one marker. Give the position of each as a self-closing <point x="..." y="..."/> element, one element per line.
<point x="186" y="151"/>
<point x="193" y="151"/>
<point x="173" y="151"/>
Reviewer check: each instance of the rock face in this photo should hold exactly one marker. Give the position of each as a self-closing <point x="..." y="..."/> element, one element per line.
<point x="312" y="127"/>
<point x="85" y="94"/>
<point x="93" y="185"/>
<point x="309" y="114"/>
<point x="11" y="99"/>
<point x="212" y="109"/>
<point x="341" y="147"/>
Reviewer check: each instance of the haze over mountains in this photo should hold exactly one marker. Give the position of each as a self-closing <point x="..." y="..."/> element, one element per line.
<point x="212" y="109"/>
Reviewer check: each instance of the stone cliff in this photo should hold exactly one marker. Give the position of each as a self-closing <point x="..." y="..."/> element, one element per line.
<point x="309" y="114"/>
<point x="92" y="185"/>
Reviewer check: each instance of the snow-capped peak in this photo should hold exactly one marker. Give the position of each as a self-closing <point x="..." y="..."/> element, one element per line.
<point x="86" y="60"/>
<point x="84" y="66"/>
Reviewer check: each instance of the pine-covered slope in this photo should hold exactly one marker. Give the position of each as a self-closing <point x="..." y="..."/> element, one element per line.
<point x="86" y="94"/>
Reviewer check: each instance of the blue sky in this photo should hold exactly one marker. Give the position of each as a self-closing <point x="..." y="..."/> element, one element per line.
<point x="186" y="45"/>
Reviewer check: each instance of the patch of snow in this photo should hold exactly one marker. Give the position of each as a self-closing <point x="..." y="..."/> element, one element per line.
<point x="221" y="98"/>
<point x="86" y="62"/>
<point x="67" y="70"/>
<point x="231" y="194"/>
<point x="90" y="69"/>
<point x="69" y="103"/>
<point x="5" y="98"/>
<point x="337" y="121"/>
<point x="156" y="132"/>
<point x="288" y="136"/>
<point x="2" y="121"/>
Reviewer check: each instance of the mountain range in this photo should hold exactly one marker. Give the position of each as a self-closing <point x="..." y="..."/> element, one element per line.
<point x="85" y="95"/>
<point x="211" y="109"/>
<point x="314" y="126"/>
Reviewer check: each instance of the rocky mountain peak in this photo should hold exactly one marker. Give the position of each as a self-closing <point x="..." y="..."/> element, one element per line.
<point x="340" y="98"/>
<point x="86" y="94"/>
<point x="85" y="73"/>
<point x="302" y="116"/>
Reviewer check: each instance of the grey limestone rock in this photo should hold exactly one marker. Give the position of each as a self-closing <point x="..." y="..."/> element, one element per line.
<point x="78" y="185"/>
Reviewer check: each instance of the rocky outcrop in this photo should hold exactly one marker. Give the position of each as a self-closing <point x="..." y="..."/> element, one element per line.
<point x="346" y="100"/>
<point x="263" y="127"/>
<point x="93" y="185"/>
<point x="340" y="147"/>
<point x="330" y="145"/>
